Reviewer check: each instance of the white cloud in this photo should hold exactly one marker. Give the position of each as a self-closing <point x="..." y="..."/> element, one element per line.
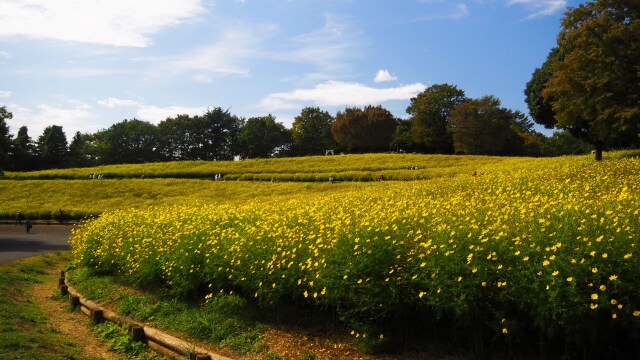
<point x="113" y="102"/>
<point x="75" y="117"/>
<point x="541" y="7"/>
<point x="326" y="47"/>
<point x="384" y="75"/>
<point x="113" y="22"/>
<point x="338" y="93"/>
<point x="457" y="11"/>
<point x="155" y="114"/>
<point x="228" y="56"/>
<point x="5" y="55"/>
<point x="5" y="94"/>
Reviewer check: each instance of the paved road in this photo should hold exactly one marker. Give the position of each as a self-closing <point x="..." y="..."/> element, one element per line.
<point x="15" y="243"/>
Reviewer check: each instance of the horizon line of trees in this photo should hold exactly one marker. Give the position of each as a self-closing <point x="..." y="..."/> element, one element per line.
<point x="443" y="121"/>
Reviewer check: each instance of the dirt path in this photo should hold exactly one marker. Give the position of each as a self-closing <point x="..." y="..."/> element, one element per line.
<point x="74" y="325"/>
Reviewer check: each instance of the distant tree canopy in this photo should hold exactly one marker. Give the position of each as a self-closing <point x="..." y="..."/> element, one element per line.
<point x="540" y="107"/>
<point x="5" y="138"/>
<point x="130" y="141"/>
<point x="482" y="126"/>
<point x="367" y="129"/>
<point x="430" y="116"/>
<point x="595" y="85"/>
<point x="263" y="137"/>
<point x="311" y="132"/>
<point x="23" y="153"/>
<point x="52" y="147"/>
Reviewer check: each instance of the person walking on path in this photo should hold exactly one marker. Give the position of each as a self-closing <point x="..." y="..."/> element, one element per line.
<point x="28" y="225"/>
<point x="18" y="219"/>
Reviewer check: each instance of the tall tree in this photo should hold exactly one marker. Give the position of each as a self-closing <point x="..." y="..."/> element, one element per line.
<point x="482" y="126"/>
<point x="52" y="147"/>
<point x="430" y="112"/>
<point x="131" y="141"/>
<point x="595" y="87"/>
<point x="311" y="131"/>
<point x="402" y="139"/>
<point x="540" y="108"/>
<point x="23" y="151"/>
<point x="80" y="150"/>
<point x="364" y="130"/>
<point x="182" y="138"/>
<point x="5" y="137"/>
<point x="263" y="137"/>
<point x="221" y="132"/>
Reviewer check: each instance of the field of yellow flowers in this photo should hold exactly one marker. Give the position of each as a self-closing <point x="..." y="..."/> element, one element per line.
<point x="544" y="253"/>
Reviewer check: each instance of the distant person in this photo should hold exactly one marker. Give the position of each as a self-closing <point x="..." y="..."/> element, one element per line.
<point x="28" y="225"/>
<point x="331" y="179"/>
<point x="381" y="177"/>
<point x="61" y="216"/>
<point x="18" y="219"/>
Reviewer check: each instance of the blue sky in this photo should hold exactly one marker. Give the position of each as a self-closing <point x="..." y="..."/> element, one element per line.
<point x="87" y="64"/>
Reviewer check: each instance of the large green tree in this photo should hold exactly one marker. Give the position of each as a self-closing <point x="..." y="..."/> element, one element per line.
<point x="130" y="141"/>
<point x="364" y="130"/>
<point x="311" y="132"/>
<point x="23" y="151"/>
<point x="52" y="147"/>
<point x="5" y="137"/>
<point x="483" y="127"/>
<point x="595" y="87"/>
<point x="540" y="108"/>
<point x="430" y="112"/>
<point x="263" y="137"/>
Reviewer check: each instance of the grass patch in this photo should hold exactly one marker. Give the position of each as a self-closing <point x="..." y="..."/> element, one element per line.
<point x="25" y="332"/>
<point x="225" y="320"/>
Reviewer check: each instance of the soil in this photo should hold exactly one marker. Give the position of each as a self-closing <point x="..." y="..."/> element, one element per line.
<point x="74" y="325"/>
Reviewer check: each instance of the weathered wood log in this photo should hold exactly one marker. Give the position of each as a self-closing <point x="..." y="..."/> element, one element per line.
<point x="62" y="274"/>
<point x="75" y="299"/>
<point x="164" y="351"/>
<point x="97" y="316"/>
<point x="199" y="356"/>
<point x="85" y="310"/>
<point x="137" y="332"/>
<point x="64" y="290"/>
<point x="61" y="281"/>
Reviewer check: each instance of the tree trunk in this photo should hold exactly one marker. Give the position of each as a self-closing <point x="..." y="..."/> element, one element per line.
<point x="599" y="146"/>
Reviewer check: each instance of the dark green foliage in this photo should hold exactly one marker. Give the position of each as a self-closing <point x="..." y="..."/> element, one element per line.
<point x="482" y="126"/>
<point x="130" y="141"/>
<point x="52" y="147"/>
<point x="540" y="108"/>
<point x="311" y="132"/>
<point x="263" y="137"/>
<point x="369" y="129"/>
<point x="595" y="87"/>
<point x="430" y="117"/>
<point x="5" y="137"/>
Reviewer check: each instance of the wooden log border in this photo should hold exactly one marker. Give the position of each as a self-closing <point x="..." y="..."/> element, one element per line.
<point x="168" y="345"/>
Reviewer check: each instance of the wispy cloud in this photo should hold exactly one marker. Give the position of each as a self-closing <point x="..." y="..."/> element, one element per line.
<point x="73" y="115"/>
<point x="114" y="22"/>
<point x="114" y="102"/>
<point x="229" y="55"/>
<point x="338" y="93"/>
<point x="156" y="114"/>
<point x="541" y="7"/>
<point x="5" y="94"/>
<point x="453" y="12"/>
<point x="384" y="75"/>
<point x="329" y="48"/>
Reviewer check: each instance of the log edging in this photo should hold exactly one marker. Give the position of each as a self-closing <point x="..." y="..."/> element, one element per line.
<point x="167" y="344"/>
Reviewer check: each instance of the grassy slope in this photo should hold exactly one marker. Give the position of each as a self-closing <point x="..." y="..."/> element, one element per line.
<point x="41" y="194"/>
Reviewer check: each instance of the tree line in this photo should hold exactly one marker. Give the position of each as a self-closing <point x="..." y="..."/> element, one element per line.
<point x="442" y="121"/>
